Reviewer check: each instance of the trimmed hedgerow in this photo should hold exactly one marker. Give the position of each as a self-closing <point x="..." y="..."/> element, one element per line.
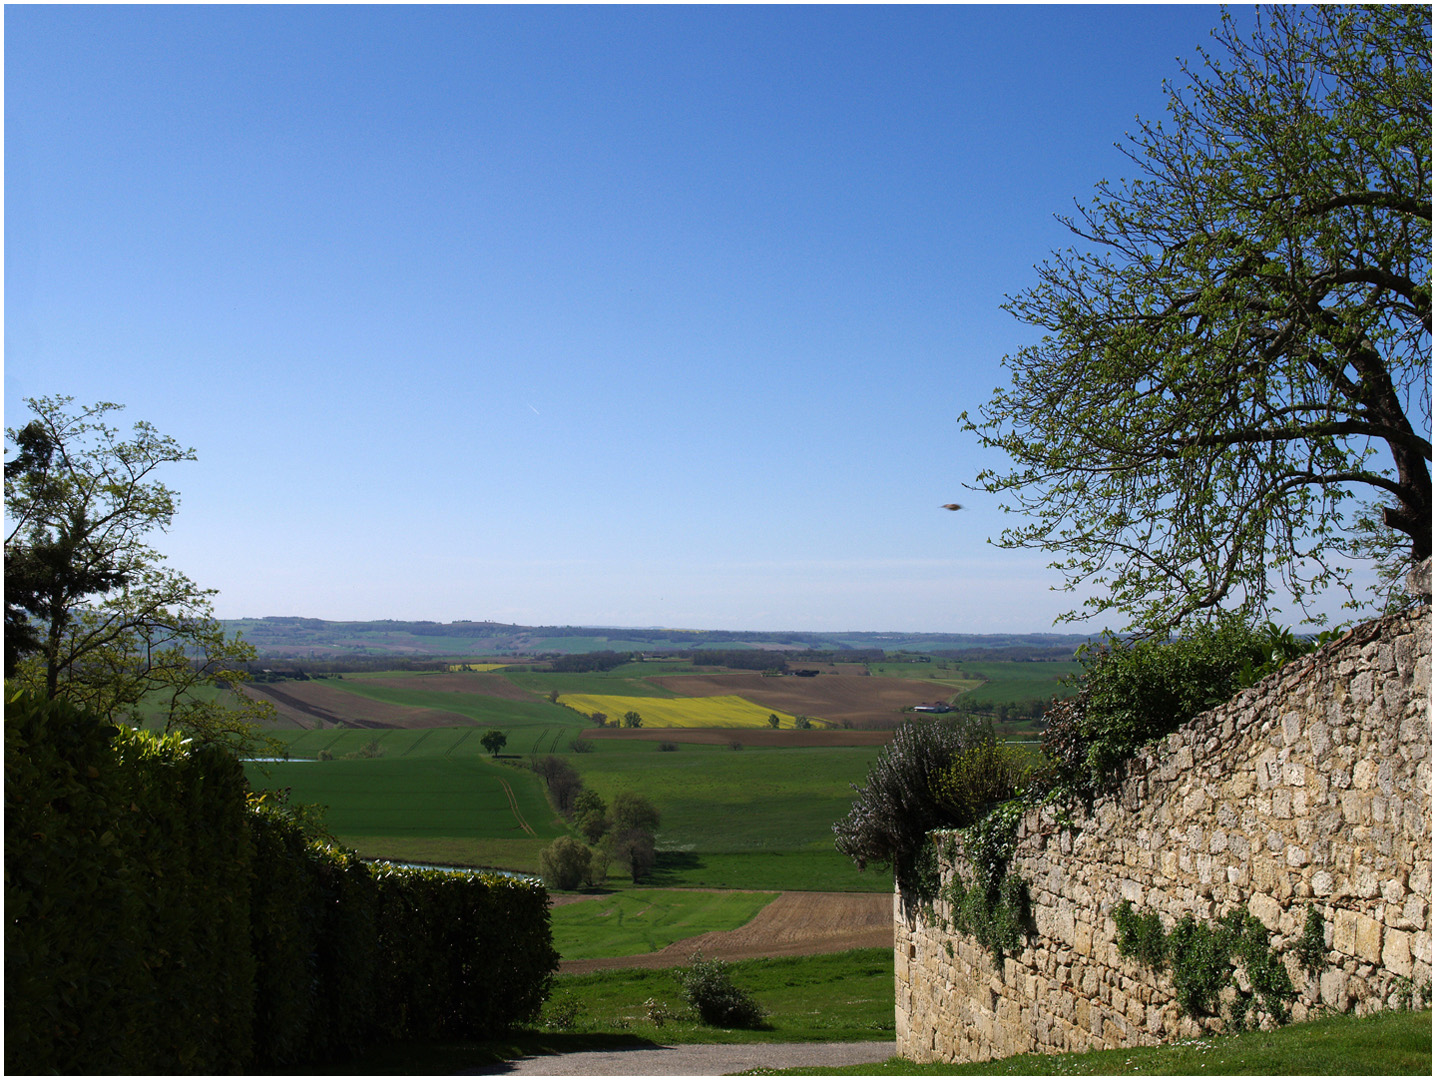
<point x="159" y="923"/>
<point x="126" y="898"/>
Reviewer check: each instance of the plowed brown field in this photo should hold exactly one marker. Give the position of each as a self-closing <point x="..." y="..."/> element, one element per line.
<point x="856" y="698"/>
<point x="488" y="683"/>
<point x="795" y="924"/>
<point x="315" y="705"/>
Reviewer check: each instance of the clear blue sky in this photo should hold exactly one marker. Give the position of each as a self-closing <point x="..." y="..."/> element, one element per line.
<point x="597" y="315"/>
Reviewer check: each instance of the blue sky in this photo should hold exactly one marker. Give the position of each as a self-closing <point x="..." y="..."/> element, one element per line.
<point x="595" y="315"/>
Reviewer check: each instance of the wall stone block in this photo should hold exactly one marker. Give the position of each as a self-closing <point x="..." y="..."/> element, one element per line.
<point x="1312" y="788"/>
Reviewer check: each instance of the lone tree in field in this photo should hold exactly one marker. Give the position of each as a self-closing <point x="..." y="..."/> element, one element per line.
<point x="1234" y="382"/>
<point x="632" y="719"/>
<point x="494" y="741"/>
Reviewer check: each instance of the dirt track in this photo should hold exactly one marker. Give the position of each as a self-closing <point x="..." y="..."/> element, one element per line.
<point x="795" y="924"/>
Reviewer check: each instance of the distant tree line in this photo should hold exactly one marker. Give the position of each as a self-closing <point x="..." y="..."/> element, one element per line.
<point x="1023" y="653"/>
<point x="624" y="831"/>
<point x="590" y="661"/>
<point x="741" y="659"/>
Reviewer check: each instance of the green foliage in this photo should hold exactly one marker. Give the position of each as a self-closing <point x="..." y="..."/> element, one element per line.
<point x="897" y="807"/>
<point x="708" y="987"/>
<point x="632" y="719"/>
<point x="992" y="905"/>
<point x="1141" y="936"/>
<point x="126" y="898"/>
<point x="564" y="864"/>
<point x="1240" y="330"/>
<point x="1203" y="958"/>
<point x="157" y="922"/>
<point x="1311" y="946"/>
<point x="1135" y="692"/>
<point x="590" y="815"/>
<point x="104" y="623"/>
<point x="980" y="777"/>
<point x="494" y="740"/>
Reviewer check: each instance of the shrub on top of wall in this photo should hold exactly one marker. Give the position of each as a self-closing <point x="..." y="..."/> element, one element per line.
<point x="902" y="801"/>
<point x="1135" y="692"/>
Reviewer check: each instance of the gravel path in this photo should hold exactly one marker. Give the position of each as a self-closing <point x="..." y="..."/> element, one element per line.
<point x="699" y="1059"/>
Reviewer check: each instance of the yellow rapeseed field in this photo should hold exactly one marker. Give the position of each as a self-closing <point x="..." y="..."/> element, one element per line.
<point x="726" y="711"/>
<point x="477" y="667"/>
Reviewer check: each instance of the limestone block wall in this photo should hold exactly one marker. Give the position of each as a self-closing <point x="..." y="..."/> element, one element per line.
<point x="1311" y="788"/>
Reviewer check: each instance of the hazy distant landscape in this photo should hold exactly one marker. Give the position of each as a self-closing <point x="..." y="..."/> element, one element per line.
<point x="296" y="637"/>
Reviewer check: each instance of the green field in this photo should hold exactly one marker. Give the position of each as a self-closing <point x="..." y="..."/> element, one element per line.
<point x="757" y="818"/>
<point x="645" y="920"/>
<point x="1013" y="681"/>
<point x="416" y="796"/>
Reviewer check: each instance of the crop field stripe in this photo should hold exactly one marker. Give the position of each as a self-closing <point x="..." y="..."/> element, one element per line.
<point x="418" y="742"/>
<point x="514" y="806"/>
<point x="553" y="745"/>
<point x="725" y="710"/>
<point x="459" y="741"/>
<point x="537" y="746"/>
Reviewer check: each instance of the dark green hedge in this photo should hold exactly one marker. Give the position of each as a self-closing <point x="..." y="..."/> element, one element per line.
<point x="159" y="922"/>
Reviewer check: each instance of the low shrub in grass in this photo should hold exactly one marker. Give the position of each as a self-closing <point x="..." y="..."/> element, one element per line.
<point x="565" y="863"/>
<point x="707" y="986"/>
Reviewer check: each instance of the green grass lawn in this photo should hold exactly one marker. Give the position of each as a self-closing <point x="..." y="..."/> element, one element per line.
<point x="645" y="920"/>
<point x="757" y="818"/>
<point x="810" y="870"/>
<point x="1386" y="1044"/>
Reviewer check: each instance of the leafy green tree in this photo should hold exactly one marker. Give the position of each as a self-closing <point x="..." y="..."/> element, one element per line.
<point x="772" y="720"/>
<point x="630" y="811"/>
<point x="632" y="719"/>
<point x="564" y="864"/>
<point x="590" y="815"/>
<point x="105" y="624"/>
<point x="635" y="850"/>
<point x="493" y="741"/>
<point x="632" y="822"/>
<point x="1233" y="388"/>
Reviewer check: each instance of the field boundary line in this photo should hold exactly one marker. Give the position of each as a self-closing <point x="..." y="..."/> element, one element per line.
<point x="514" y="806"/>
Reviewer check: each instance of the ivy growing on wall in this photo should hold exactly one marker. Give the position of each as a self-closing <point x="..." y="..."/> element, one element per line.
<point x="992" y="905"/>
<point x="1204" y="958"/>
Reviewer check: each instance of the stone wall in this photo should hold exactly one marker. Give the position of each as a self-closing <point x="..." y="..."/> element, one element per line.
<point x="1311" y="788"/>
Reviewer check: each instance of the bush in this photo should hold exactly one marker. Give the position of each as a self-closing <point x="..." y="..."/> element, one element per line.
<point x="978" y="778"/>
<point x="899" y="804"/>
<point x="158" y="922"/>
<point x="564" y="864"/>
<point x="1135" y="692"/>
<point x="708" y="988"/>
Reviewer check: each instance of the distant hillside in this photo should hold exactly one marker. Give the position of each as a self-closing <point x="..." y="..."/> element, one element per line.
<point x="318" y="638"/>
